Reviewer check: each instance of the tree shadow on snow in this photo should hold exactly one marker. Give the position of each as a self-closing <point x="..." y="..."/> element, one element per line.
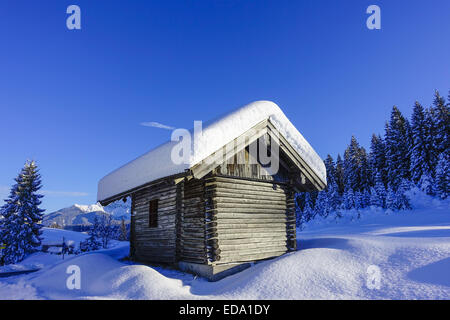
<point x="434" y="273"/>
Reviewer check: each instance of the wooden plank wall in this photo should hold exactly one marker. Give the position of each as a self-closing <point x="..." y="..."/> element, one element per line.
<point x="254" y="219"/>
<point x="155" y="244"/>
<point x="191" y="233"/>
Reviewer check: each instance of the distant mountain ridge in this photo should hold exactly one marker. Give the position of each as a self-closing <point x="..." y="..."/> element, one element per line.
<point x="84" y="215"/>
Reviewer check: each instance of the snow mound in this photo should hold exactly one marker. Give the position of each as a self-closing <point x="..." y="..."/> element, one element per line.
<point x="139" y="282"/>
<point x="103" y="277"/>
<point x="157" y="163"/>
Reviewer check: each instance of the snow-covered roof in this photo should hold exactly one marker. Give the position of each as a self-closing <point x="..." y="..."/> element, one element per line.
<point x="157" y="163"/>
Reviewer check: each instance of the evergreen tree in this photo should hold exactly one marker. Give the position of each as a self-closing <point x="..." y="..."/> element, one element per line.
<point x="93" y="242"/>
<point x="398" y="143"/>
<point x="322" y="206"/>
<point x="20" y="226"/>
<point x="440" y="114"/>
<point x="334" y="199"/>
<point x="331" y="170"/>
<point x="442" y="181"/>
<point x="123" y="233"/>
<point x="377" y="158"/>
<point x="365" y="201"/>
<point x="348" y="201"/>
<point x="308" y="210"/>
<point x="426" y="184"/>
<point x="380" y="190"/>
<point x="390" y="198"/>
<point x="430" y="140"/>
<point x="365" y="171"/>
<point x="374" y="198"/>
<point x="107" y="230"/>
<point x="356" y="167"/>
<point x="420" y="153"/>
<point x="332" y="190"/>
<point x="357" y="199"/>
<point x="340" y="175"/>
<point x="401" y="201"/>
<point x="300" y="200"/>
<point x="350" y="165"/>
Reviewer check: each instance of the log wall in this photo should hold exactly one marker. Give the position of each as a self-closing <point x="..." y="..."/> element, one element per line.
<point x="253" y="220"/>
<point x="191" y="231"/>
<point x="154" y="244"/>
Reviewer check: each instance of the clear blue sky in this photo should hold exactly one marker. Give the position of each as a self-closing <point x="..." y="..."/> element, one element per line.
<point x="73" y="100"/>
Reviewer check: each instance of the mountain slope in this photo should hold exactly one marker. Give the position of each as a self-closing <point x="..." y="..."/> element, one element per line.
<point x="84" y="215"/>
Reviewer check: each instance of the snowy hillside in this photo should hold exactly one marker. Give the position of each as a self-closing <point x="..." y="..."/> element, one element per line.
<point x="84" y="215"/>
<point x="410" y="250"/>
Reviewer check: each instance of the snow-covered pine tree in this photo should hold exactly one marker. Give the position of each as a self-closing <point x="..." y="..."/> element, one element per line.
<point x="308" y="209"/>
<point x="398" y="143"/>
<point x="440" y="113"/>
<point x="365" y="202"/>
<point x="332" y="192"/>
<point x="93" y="241"/>
<point x="20" y="227"/>
<point x="390" y="198"/>
<point x="330" y="168"/>
<point x="380" y="190"/>
<point x="365" y="171"/>
<point x="402" y="201"/>
<point x="351" y="165"/>
<point x="377" y="158"/>
<point x="358" y="200"/>
<point x="426" y="184"/>
<point x="123" y="232"/>
<point x="334" y="198"/>
<point x="374" y="198"/>
<point x="420" y="152"/>
<point x="442" y="180"/>
<point x="340" y="175"/>
<point x="107" y="230"/>
<point x="348" y="199"/>
<point x="356" y="167"/>
<point x="321" y="208"/>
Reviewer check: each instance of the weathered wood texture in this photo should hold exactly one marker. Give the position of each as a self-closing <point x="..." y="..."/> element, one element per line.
<point x="155" y="244"/>
<point x="250" y="220"/>
<point x="191" y="232"/>
<point x="245" y="165"/>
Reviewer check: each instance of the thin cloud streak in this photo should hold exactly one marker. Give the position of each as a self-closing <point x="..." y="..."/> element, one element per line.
<point x="64" y="193"/>
<point x="4" y="191"/>
<point x="156" y="125"/>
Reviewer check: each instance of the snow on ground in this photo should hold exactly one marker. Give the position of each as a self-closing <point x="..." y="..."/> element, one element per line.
<point x="411" y="250"/>
<point x="40" y="260"/>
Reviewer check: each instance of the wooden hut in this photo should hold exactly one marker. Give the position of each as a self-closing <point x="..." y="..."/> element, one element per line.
<point x="223" y="207"/>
